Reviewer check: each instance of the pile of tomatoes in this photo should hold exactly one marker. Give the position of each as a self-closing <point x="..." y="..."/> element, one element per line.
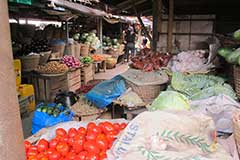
<point x="89" y="143"/>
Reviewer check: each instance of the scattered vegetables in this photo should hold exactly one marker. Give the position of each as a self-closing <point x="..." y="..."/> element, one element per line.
<point x="86" y="60"/>
<point x="149" y="60"/>
<point x="53" y="67"/>
<point x="53" y="109"/>
<point x="97" y="57"/>
<point x="90" y="143"/>
<point x="71" y="61"/>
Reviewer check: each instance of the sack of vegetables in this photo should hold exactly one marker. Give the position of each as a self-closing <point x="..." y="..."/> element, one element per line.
<point x="50" y="115"/>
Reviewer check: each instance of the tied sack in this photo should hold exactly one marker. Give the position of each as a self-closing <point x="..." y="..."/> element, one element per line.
<point x="168" y="135"/>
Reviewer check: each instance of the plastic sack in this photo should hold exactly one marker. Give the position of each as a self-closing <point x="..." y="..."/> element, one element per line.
<point x="42" y="120"/>
<point x="168" y="135"/>
<point x="170" y="100"/>
<point x="220" y="108"/>
<point x="105" y="92"/>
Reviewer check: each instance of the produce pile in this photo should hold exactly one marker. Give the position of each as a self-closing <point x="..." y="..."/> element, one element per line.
<point x="231" y="55"/>
<point x="148" y="60"/>
<point x="199" y="86"/>
<point x="53" y="109"/>
<point x="86" y="60"/>
<point x="88" y="38"/>
<point x="53" y="67"/>
<point x="97" y="57"/>
<point x="190" y="61"/>
<point x="71" y="61"/>
<point x="110" y="43"/>
<point x="90" y="143"/>
<point x="35" y="47"/>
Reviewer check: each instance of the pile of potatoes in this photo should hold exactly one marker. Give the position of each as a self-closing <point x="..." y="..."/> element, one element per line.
<point x="53" y="67"/>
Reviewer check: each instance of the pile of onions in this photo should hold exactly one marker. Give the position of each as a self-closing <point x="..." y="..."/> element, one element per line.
<point x="71" y="61"/>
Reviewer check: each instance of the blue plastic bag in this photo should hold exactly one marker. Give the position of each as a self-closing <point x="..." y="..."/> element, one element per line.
<point x="42" y="120"/>
<point x="105" y="92"/>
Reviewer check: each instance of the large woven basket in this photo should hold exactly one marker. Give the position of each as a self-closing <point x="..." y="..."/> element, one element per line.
<point x="147" y="92"/>
<point x="84" y="49"/>
<point x="236" y="128"/>
<point x="236" y="79"/>
<point x="29" y="63"/>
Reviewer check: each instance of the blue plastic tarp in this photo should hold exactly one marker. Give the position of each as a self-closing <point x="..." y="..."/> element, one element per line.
<point x="105" y="92"/>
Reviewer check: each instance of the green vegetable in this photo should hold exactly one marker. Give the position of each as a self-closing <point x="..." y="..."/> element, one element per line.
<point x="198" y="86"/>
<point x="170" y="100"/>
<point x="233" y="57"/>
<point x="236" y="35"/>
<point x="44" y="109"/>
<point x="224" y="52"/>
<point x="39" y="109"/>
<point x="86" y="60"/>
<point x="50" y="110"/>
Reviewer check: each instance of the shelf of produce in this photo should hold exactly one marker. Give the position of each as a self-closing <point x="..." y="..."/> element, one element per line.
<point x="46" y="87"/>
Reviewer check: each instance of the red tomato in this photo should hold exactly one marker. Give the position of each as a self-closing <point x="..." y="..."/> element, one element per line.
<point x="95" y="129"/>
<point x="101" y="126"/>
<point x="90" y="125"/>
<point x="82" y="155"/>
<point x="71" y="156"/>
<point x="42" y="145"/>
<point x="91" y="136"/>
<point x="32" y="158"/>
<point x="53" y="143"/>
<point x="44" y="158"/>
<point x="27" y="145"/>
<point x="64" y="139"/>
<point x="79" y="136"/>
<point x="123" y="125"/>
<point x="50" y="151"/>
<point x="82" y="131"/>
<point x="102" y="143"/>
<point x="91" y="156"/>
<point x="63" y="148"/>
<point x="91" y="147"/>
<point x="116" y="126"/>
<point x="70" y="141"/>
<point x="102" y="156"/>
<point x="32" y="153"/>
<point x="61" y="132"/>
<point x="111" y="136"/>
<point x="72" y="132"/>
<point x="108" y="127"/>
<point x="41" y="155"/>
<point x="101" y="136"/>
<point x="33" y="148"/>
<point x="78" y="145"/>
<point x="54" y="156"/>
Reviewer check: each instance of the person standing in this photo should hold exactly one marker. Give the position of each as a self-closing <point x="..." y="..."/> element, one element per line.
<point x="130" y="36"/>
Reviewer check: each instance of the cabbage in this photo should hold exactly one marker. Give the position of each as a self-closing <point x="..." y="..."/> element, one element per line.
<point x="170" y="100"/>
<point x="236" y="34"/>
<point x="224" y="52"/>
<point x="233" y="57"/>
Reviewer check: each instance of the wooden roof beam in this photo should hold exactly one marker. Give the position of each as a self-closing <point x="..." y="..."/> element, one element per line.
<point x="128" y="4"/>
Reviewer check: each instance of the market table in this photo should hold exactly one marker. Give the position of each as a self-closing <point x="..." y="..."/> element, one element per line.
<point x="99" y="64"/>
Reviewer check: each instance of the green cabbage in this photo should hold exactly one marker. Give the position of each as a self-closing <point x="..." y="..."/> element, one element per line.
<point x="236" y="34"/>
<point x="224" y="52"/>
<point x="170" y="100"/>
<point x="233" y="57"/>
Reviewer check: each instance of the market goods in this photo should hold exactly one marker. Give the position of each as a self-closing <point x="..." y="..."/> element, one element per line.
<point x="53" y="67"/>
<point x="199" y="86"/>
<point x="224" y="52"/>
<point x="175" y="135"/>
<point x="233" y="57"/>
<point x="52" y="109"/>
<point x="148" y="60"/>
<point x="190" y="61"/>
<point x="80" y="143"/>
<point x="170" y="100"/>
<point x="71" y="61"/>
<point x="97" y="57"/>
<point x="35" y="47"/>
<point x="90" y="39"/>
<point x="86" y="60"/>
<point x="108" y="42"/>
<point x="236" y="34"/>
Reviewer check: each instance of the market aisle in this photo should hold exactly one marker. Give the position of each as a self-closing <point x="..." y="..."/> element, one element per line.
<point x="110" y="73"/>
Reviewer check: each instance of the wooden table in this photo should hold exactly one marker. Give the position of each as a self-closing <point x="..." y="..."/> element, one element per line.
<point x="100" y="64"/>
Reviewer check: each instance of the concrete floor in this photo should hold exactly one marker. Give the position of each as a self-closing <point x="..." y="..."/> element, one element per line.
<point x="109" y="74"/>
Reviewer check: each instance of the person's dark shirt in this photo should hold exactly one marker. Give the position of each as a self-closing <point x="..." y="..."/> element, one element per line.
<point x="130" y="37"/>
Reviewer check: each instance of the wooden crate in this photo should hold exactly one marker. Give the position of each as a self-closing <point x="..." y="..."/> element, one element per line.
<point x="87" y="74"/>
<point x="46" y="87"/>
<point x="74" y="80"/>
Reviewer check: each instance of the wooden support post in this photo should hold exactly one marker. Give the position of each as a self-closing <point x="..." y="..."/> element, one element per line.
<point x="170" y="26"/>
<point x="155" y="23"/>
<point x="144" y="28"/>
<point x="67" y="31"/>
<point x="160" y="16"/>
<point x="101" y="33"/>
<point x="11" y="135"/>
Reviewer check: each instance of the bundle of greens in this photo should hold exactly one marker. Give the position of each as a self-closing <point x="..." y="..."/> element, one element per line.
<point x="199" y="86"/>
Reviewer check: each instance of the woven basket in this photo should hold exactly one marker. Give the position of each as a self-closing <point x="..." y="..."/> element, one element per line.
<point x="147" y="92"/>
<point x="44" y="56"/>
<point x="77" y="50"/>
<point x="29" y="63"/>
<point x="236" y="128"/>
<point x="84" y="49"/>
<point x="236" y="79"/>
